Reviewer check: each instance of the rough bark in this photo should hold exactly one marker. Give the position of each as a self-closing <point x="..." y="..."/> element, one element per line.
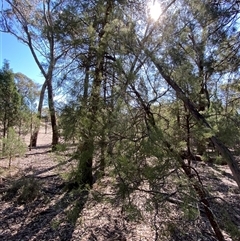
<point x="86" y="155"/>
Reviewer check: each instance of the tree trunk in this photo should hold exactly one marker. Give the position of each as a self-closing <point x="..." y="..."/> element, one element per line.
<point x="189" y="153"/>
<point x="34" y="136"/>
<point x="52" y="115"/>
<point x="232" y="163"/>
<point x="204" y="200"/>
<point x="86" y="157"/>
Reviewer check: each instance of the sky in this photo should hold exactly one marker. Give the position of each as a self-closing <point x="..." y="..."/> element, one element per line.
<point x="19" y="57"/>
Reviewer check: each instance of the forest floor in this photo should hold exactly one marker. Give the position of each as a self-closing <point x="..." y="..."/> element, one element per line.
<point x="34" y="206"/>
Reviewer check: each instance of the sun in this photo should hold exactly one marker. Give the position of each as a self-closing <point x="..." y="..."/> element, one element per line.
<point x="154" y="10"/>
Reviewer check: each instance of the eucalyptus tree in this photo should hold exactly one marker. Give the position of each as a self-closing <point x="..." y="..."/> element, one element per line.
<point x="29" y="91"/>
<point x="32" y="23"/>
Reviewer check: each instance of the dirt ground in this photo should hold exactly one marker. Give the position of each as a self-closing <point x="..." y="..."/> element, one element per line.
<point x="35" y="206"/>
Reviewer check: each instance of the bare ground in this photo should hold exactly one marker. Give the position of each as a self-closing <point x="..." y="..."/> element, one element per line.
<point x="34" y="206"/>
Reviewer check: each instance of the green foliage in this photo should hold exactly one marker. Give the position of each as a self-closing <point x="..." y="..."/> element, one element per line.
<point x="74" y="213"/>
<point x="231" y="228"/>
<point x="228" y="129"/>
<point x="55" y="223"/>
<point x="24" y="122"/>
<point x="24" y="190"/>
<point x="13" y="146"/>
<point x="68" y="123"/>
<point x="228" y="224"/>
<point x="132" y="212"/>
<point x="29" y="92"/>
<point x="61" y="147"/>
<point x="28" y="89"/>
<point x="189" y="204"/>
<point x="10" y="99"/>
<point x="114" y="88"/>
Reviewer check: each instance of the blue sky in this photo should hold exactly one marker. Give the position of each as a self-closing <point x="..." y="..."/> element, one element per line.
<point x="19" y="57"/>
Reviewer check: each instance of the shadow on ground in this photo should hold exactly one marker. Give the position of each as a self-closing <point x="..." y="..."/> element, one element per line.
<point x="33" y="208"/>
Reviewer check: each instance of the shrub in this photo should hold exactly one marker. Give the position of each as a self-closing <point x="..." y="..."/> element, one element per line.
<point x="13" y="146"/>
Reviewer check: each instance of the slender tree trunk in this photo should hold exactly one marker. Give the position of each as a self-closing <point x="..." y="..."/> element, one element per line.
<point x="86" y="79"/>
<point x="31" y="131"/>
<point x="52" y="114"/>
<point x="203" y="197"/>
<point x="34" y="136"/>
<point x="4" y="125"/>
<point x="102" y="144"/>
<point x="4" y="130"/>
<point x="87" y="150"/>
<point x="47" y="84"/>
<point x="189" y="153"/>
<point x="232" y="163"/>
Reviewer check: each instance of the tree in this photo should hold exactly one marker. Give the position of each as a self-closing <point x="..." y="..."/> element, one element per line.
<point x="95" y="63"/>
<point x="140" y="93"/>
<point x="10" y="99"/>
<point x="195" y="113"/>
<point x="28" y="89"/>
<point x="29" y="92"/>
<point x="33" y="24"/>
<point x="14" y="146"/>
<point x="195" y="97"/>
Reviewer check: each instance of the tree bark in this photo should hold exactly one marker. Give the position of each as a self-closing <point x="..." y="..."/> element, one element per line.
<point x="52" y="114"/>
<point x="204" y="200"/>
<point x="231" y="161"/>
<point x="86" y="155"/>
<point x="34" y="136"/>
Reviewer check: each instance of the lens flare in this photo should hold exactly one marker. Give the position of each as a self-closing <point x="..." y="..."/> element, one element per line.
<point x="155" y="10"/>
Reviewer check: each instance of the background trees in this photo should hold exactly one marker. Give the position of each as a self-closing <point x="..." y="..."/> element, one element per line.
<point x="10" y="99"/>
<point x="11" y="114"/>
<point x="29" y="92"/>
